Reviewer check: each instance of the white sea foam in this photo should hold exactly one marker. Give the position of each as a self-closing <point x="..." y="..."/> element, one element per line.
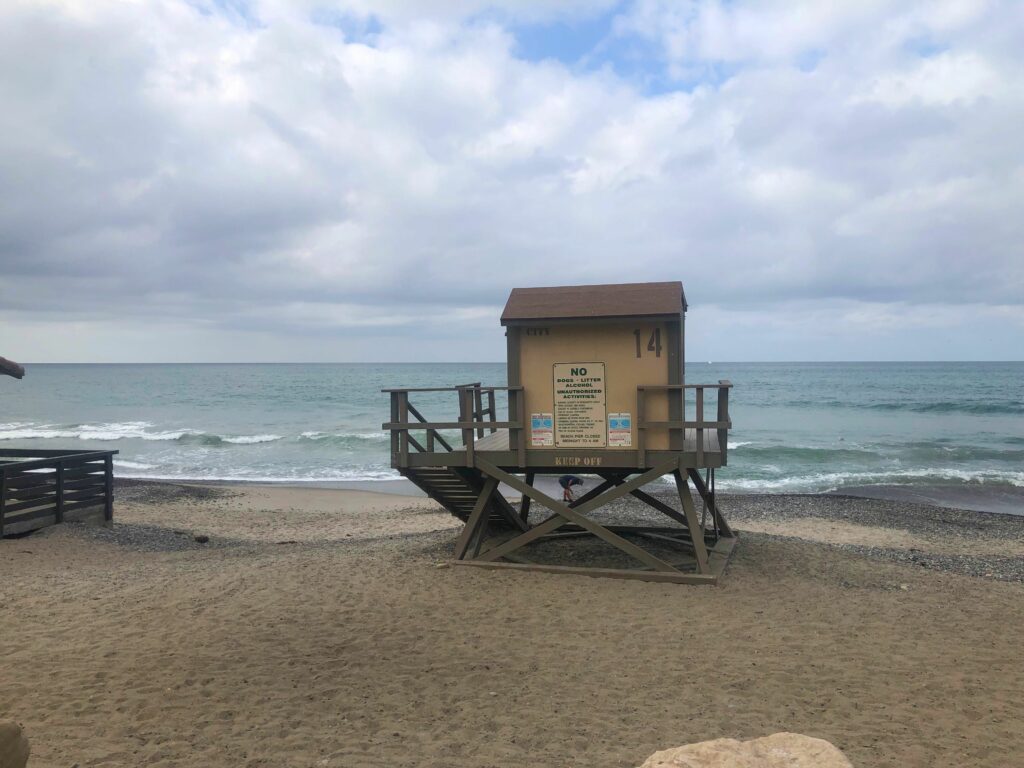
<point x="137" y="430"/>
<point x="126" y="464"/>
<point x="250" y="439"/>
<point x="832" y="481"/>
<point x="349" y="475"/>
<point x="739" y="444"/>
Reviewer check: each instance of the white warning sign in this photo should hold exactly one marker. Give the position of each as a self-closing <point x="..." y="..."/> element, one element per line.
<point x="620" y="430"/>
<point x="579" y="405"/>
<point x="542" y="434"/>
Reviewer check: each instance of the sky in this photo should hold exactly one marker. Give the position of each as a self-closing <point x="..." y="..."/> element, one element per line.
<point x="271" y="180"/>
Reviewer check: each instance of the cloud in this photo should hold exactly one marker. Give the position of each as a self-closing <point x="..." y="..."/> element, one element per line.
<point x="278" y="170"/>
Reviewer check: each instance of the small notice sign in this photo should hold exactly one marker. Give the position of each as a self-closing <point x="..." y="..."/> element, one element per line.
<point x="620" y="430"/>
<point x="542" y="433"/>
<point x="580" y="405"/>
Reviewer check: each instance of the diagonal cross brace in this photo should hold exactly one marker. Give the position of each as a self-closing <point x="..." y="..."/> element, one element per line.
<point x="564" y="514"/>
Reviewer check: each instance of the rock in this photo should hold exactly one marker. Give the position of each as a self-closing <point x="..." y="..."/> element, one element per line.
<point x="780" y="750"/>
<point x="14" y="747"/>
<point x="201" y="538"/>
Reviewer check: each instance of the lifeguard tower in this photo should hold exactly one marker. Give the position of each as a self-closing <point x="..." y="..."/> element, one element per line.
<point x="595" y="387"/>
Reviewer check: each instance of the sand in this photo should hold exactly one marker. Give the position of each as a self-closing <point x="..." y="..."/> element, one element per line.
<point x="353" y="645"/>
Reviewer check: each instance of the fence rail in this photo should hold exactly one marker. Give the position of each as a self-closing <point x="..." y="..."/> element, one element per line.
<point x="677" y="427"/>
<point x="45" y="487"/>
<point x="475" y="421"/>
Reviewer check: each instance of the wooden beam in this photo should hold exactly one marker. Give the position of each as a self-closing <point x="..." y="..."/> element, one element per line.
<point x="475" y="519"/>
<point x="696" y="532"/>
<point x="674" y="576"/>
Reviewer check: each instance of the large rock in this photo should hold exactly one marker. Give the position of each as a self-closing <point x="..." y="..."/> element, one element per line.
<point x="13" y="745"/>
<point x="780" y="750"/>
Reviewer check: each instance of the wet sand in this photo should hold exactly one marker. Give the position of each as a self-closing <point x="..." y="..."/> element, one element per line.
<point x="323" y="628"/>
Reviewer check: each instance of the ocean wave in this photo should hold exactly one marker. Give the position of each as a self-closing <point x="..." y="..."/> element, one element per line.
<point x="330" y="476"/>
<point x="814" y="454"/>
<point x="977" y="408"/>
<point x="126" y="464"/>
<point x="345" y="439"/>
<point x="251" y="439"/>
<point x="137" y="430"/>
<point x="739" y="444"/>
<point x="128" y="430"/>
<point x="834" y="481"/>
<point x="980" y="408"/>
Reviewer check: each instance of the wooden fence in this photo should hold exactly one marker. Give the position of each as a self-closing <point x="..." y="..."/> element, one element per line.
<point x="40" y="488"/>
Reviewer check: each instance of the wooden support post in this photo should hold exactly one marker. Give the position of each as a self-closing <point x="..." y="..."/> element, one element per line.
<point x="706" y="494"/>
<point x="492" y="409"/>
<point x="696" y="532"/>
<point x="60" y="491"/>
<point x="3" y="499"/>
<point x="524" y="505"/>
<point x="476" y="520"/>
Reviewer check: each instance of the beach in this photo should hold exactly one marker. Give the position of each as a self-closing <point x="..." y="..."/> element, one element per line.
<point x="325" y="628"/>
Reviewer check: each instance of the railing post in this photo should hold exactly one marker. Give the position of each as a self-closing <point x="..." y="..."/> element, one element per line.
<point x="108" y="500"/>
<point x="466" y="417"/>
<point x="403" y="438"/>
<point x="641" y="427"/>
<point x="723" y="416"/>
<point x="60" y="491"/>
<point x="492" y="409"/>
<point x="478" y="411"/>
<point x="394" y="433"/>
<point x="699" y="408"/>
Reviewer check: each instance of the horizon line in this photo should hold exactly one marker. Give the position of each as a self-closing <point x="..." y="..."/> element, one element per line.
<point x="493" y="362"/>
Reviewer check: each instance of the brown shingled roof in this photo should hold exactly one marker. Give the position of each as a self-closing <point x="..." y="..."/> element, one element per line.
<point x="593" y="301"/>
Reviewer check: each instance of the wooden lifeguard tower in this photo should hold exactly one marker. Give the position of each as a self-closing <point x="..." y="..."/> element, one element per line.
<point x="596" y="387"/>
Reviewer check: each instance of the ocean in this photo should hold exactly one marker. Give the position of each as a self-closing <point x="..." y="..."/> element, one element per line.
<point x="953" y="429"/>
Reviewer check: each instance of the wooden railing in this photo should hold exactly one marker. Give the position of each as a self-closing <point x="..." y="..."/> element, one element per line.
<point x="677" y="428"/>
<point x="43" y="487"/>
<point x="477" y="410"/>
<point x="475" y="421"/>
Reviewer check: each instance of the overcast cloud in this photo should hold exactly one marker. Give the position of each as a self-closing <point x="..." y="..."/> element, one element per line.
<point x="276" y="180"/>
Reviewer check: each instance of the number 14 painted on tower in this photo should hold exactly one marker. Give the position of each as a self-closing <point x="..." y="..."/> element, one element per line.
<point x="653" y="343"/>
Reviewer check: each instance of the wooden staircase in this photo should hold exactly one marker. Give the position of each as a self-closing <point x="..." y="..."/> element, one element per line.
<point x="457" y="489"/>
